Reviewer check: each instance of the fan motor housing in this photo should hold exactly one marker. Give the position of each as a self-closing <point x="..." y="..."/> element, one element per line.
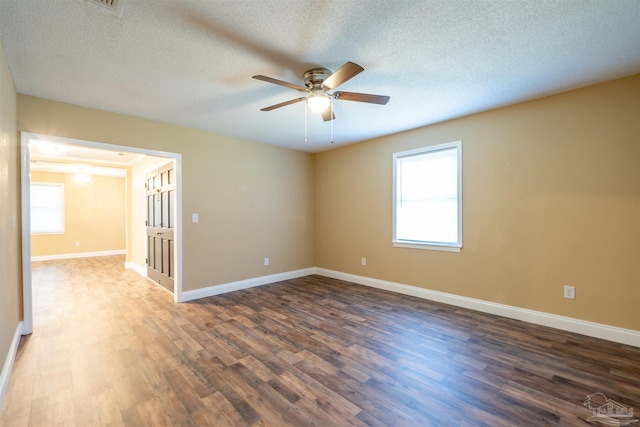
<point x="315" y="76"/>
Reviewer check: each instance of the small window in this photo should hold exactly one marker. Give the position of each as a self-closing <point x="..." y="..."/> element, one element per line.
<point x="428" y="198"/>
<point x="47" y="208"/>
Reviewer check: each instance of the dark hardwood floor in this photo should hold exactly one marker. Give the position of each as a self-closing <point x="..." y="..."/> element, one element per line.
<point x="111" y="348"/>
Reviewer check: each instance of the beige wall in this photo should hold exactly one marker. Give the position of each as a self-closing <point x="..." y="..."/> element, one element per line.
<point x="254" y="200"/>
<point x="10" y="274"/>
<point x="551" y="197"/>
<point x="137" y="212"/>
<point x="94" y="216"/>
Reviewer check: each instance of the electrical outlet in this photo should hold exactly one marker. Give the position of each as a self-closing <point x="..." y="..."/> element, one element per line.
<point x="266" y="261"/>
<point x="77" y="244"/>
<point x="570" y="292"/>
<point x="363" y="261"/>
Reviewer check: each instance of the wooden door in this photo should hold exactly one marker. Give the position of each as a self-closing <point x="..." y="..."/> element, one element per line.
<point x="161" y="196"/>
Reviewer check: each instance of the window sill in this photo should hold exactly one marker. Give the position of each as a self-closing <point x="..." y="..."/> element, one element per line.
<point x="426" y="246"/>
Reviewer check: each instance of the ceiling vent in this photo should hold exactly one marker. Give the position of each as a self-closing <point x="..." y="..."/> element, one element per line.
<point x="115" y="6"/>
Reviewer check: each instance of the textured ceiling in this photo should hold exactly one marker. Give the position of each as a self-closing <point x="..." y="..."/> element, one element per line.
<point x="190" y="62"/>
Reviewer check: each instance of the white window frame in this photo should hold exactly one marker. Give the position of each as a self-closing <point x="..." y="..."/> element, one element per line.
<point x="419" y="244"/>
<point x="51" y="231"/>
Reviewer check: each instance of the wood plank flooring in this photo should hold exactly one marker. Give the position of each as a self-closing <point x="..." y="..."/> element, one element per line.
<point x="111" y="349"/>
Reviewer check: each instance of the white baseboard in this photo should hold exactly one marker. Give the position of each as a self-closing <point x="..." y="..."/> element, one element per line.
<point x="597" y="330"/>
<point x="137" y="268"/>
<point x="243" y="284"/>
<point x="8" y="363"/>
<point x="78" y="255"/>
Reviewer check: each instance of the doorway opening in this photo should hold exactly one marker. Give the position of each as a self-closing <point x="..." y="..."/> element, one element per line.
<point x="138" y="164"/>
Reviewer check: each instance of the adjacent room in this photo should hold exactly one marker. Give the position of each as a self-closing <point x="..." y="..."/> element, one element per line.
<point x="293" y="213"/>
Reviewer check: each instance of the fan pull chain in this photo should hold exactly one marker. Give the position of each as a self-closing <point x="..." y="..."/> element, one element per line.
<point x="305" y="123"/>
<point x="331" y="116"/>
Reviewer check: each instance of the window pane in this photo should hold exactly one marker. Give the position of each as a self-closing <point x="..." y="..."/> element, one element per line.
<point x="431" y="175"/>
<point x="47" y="208"/>
<point x="428" y="221"/>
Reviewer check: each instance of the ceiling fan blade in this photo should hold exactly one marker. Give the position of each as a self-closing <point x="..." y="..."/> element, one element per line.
<point x="281" y="83"/>
<point x="343" y="74"/>
<point x="327" y="115"/>
<point x="361" y="97"/>
<point x="282" y="104"/>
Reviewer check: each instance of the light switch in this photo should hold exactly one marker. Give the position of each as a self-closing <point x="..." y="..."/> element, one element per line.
<point x="194" y="217"/>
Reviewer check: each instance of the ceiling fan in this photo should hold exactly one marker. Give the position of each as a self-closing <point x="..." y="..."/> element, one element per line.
<point x="319" y="84"/>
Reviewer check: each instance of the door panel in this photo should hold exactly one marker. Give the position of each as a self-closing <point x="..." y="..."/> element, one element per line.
<point x="160" y="225"/>
<point x="172" y="203"/>
<point x="172" y="262"/>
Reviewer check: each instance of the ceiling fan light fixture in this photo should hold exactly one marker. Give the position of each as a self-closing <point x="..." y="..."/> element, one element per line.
<point x="318" y="102"/>
<point x="319" y="86"/>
